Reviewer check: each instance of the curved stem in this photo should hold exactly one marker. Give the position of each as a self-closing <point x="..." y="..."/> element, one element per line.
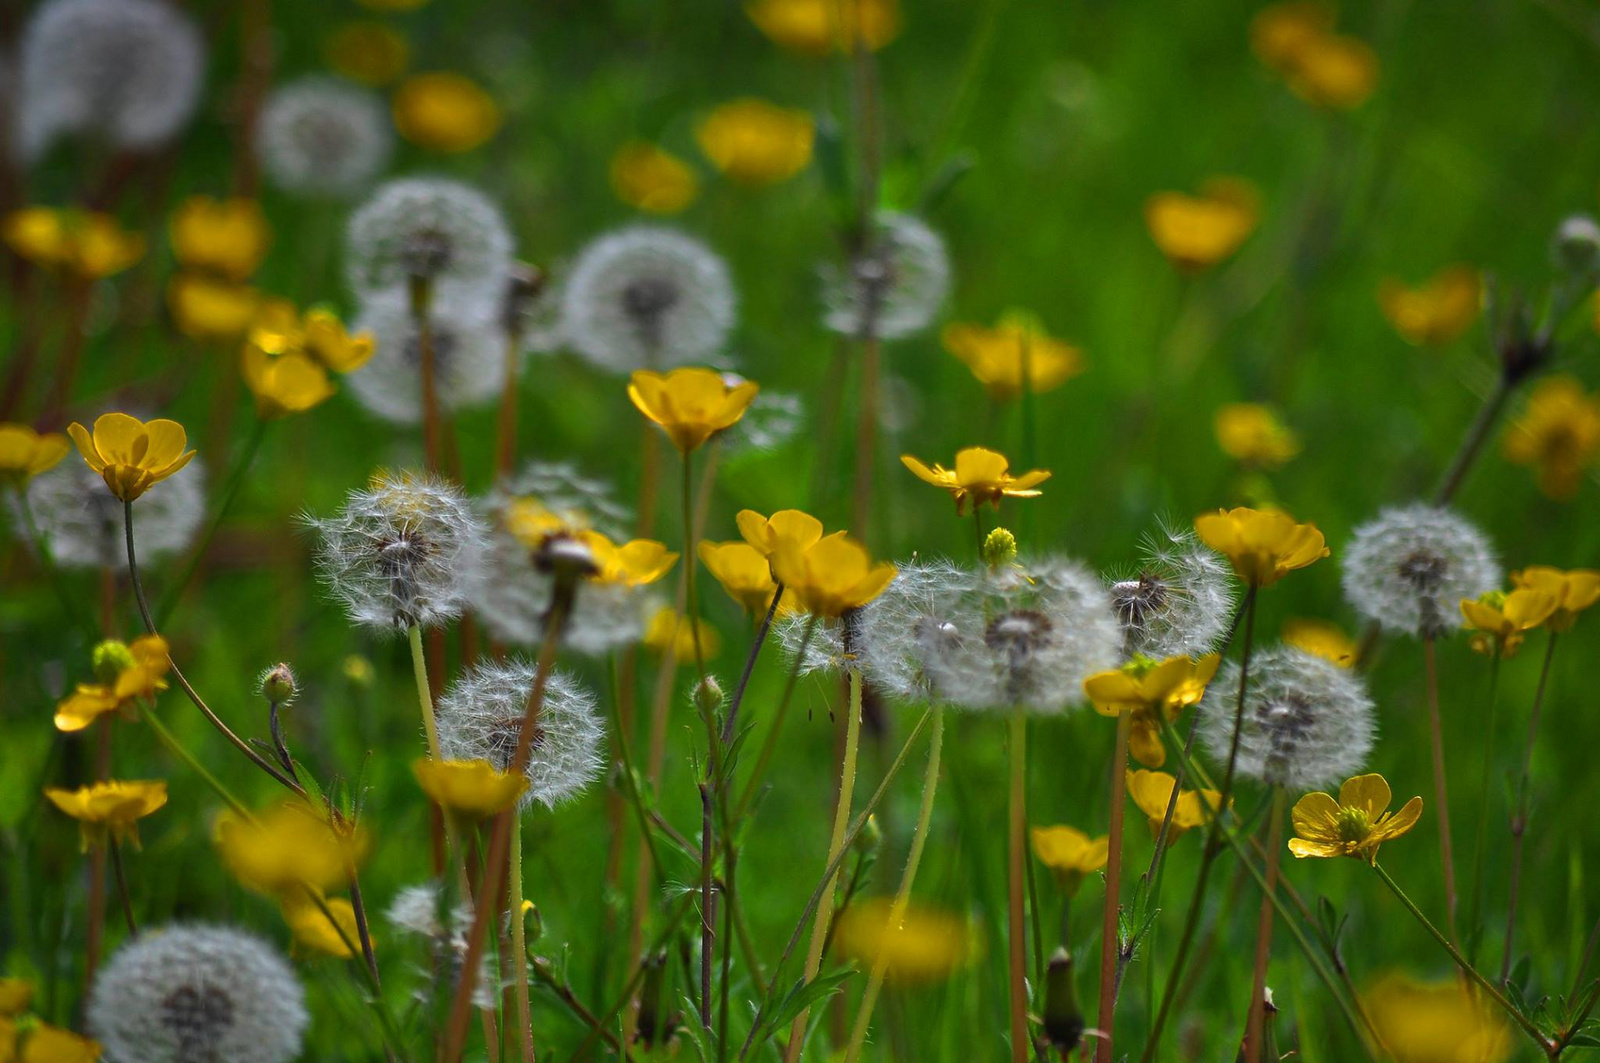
<point x="1519" y="821"/>
<point x="1109" y="943"/>
<point x="775" y="731"/>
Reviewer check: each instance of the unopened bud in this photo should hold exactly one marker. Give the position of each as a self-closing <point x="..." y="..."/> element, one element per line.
<point x="278" y="685"/>
<point x="1576" y="247"/>
<point x="708" y="696"/>
<point x="868" y="837"/>
<point x="111" y="658"/>
<point x="999" y="548"/>
<point x="1063" y="1019"/>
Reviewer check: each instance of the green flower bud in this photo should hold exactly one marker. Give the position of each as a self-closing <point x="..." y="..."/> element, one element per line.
<point x="868" y="837"/>
<point x="111" y="658"/>
<point x="278" y="685"/>
<point x="999" y="548"/>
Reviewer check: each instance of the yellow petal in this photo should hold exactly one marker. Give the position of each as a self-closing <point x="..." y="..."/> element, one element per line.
<point x="1316" y="817"/>
<point x="1369" y="793"/>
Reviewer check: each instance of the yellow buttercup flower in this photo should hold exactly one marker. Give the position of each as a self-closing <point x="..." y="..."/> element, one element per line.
<point x="1195" y="232"/>
<point x="756" y="142"/>
<point x="1016" y="349"/>
<point x="288" y="358"/>
<point x="129" y="454"/>
<point x="633" y="563"/>
<point x="921" y="945"/>
<point x="832" y="576"/>
<point x="287" y="849"/>
<point x="286" y="384"/>
<point x="471" y="789"/>
<point x="311" y="929"/>
<point x="652" y="179"/>
<point x="1443" y="1022"/>
<point x="1154" y="693"/>
<point x="1069" y="853"/>
<point x="1558" y="435"/>
<point x="39" y="1042"/>
<point x="980" y="475"/>
<point x="1436" y="311"/>
<point x="226" y="237"/>
<point x="744" y="573"/>
<point x="369" y="52"/>
<point x="1263" y="545"/>
<point x="126" y="673"/>
<point x="786" y="529"/>
<point x="16" y="994"/>
<point x="1322" y="638"/>
<point x="1296" y="40"/>
<point x="1354" y="825"/>
<point x="25" y="453"/>
<point x="206" y="308"/>
<point x="1151" y="792"/>
<point x="817" y="27"/>
<point x="1573" y="590"/>
<point x="445" y="112"/>
<point x="1251" y="433"/>
<point x="1501" y="621"/>
<point x="668" y="632"/>
<point x="88" y="244"/>
<point x="690" y="404"/>
<point x="112" y="808"/>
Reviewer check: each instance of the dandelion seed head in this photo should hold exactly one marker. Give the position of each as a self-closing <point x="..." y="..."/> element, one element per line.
<point x="647" y="297"/>
<point x="193" y="993"/>
<point x="772" y="419"/>
<point x="82" y="522"/>
<point x="893" y="286"/>
<point x="320" y="136"/>
<point x="468" y="358"/>
<point x="1409" y="568"/>
<point x="434" y="228"/>
<point x="1179" y="600"/>
<point x="899" y="630"/>
<point x="532" y="308"/>
<point x="1307" y="722"/>
<point x="416" y="910"/>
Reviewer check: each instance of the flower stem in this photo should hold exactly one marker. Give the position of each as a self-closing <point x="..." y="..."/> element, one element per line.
<point x="775" y="731"/>
<point x="230" y="491"/>
<point x="519" y="947"/>
<point x="1255" y="1024"/>
<point x="1238" y="705"/>
<point x="1440" y="790"/>
<point x="122" y="886"/>
<point x="730" y="721"/>
<point x="1472" y="442"/>
<point x="421" y="320"/>
<point x="1491" y="743"/>
<point x="419" y="671"/>
<point x="1109" y="945"/>
<point x="691" y="606"/>
<point x="505" y="444"/>
<point x="1519" y="820"/>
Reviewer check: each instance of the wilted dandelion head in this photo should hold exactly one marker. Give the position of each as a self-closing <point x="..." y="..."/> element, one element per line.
<point x="1179" y="600"/>
<point x="646" y="297"/>
<point x="430" y="228"/>
<point x="480" y="718"/>
<point x="192" y="993"/>
<point x="320" y="136"/>
<point x="1409" y="568"/>
<point x="893" y="285"/>
<point x="127" y="71"/>
<point x="406" y="550"/>
<point x="82" y="522"/>
<point x="468" y="357"/>
<point x="1307" y="722"/>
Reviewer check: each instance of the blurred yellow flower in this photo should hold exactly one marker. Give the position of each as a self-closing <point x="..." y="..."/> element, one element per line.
<point x="1151" y="792"/>
<point x="1154" y="693"/>
<point x="1296" y="41"/>
<point x="1069" y="853"/>
<point x="1017" y="345"/>
<point x="1501" y="621"/>
<point x="1262" y="545"/>
<point x="445" y="112"/>
<point x="369" y="52"/>
<point x="980" y="475"/>
<point x="1573" y="590"/>
<point x="471" y="789"/>
<point x="125" y="672"/>
<point x="1435" y="312"/>
<point x="288" y="358"/>
<point x="209" y="309"/>
<point x="288" y="849"/>
<point x="830" y="577"/>
<point x="632" y="564"/>
<point x="1252" y="434"/>
<point x="1558" y="435"/>
<point x="88" y="244"/>
<point x="756" y="142"/>
<point x="25" y="453"/>
<point x="39" y="1042"/>
<point x="112" y="808"/>
<point x="669" y="632"/>
<point x="690" y="404"/>
<point x="1444" y="1022"/>
<point x="744" y="573"/>
<point x="129" y="454"/>
<point x="921" y="945"/>
<point x="283" y="384"/>
<point x="311" y="929"/>
<point x="817" y="27"/>
<point x="1322" y="638"/>
<point x="1354" y="825"/>
<point x="652" y="179"/>
<point x="227" y="237"/>
<point x="785" y="529"/>
<point x="16" y="994"/>
<point x="1195" y="232"/>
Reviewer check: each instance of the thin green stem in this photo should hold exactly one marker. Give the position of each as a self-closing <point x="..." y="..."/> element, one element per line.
<point x="419" y="671"/>
<point x="775" y="731"/>
<point x="122" y="886"/>
<point x="1110" y="949"/>
<point x="1441" y="794"/>
<point x="730" y="722"/>
<point x="230" y="492"/>
<point x="1491" y="743"/>
<point x="1519" y="821"/>
<point x="691" y="607"/>
<point x="519" y="946"/>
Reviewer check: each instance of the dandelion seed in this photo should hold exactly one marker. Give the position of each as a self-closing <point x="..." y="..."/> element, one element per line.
<point x="1179" y="600"/>
<point x="428" y="228"/>
<point x="82" y="523"/>
<point x="468" y="357"/>
<point x="893" y="286"/>
<point x="320" y="136"/>
<point x="1408" y="569"/>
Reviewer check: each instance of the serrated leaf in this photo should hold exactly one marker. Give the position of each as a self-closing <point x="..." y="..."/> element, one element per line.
<point x="804" y="994"/>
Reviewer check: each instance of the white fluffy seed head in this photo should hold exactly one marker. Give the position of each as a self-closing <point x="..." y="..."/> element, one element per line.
<point x="647" y="297"/>
<point x="771" y="420"/>
<point x="893" y="286"/>
<point x="1177" y="602"/>
<point x="127" y="71"/>
<point x="432" y="228"/>
<point x="323" y="137"/>
<point x="1308" y="723"/>
<point x="897" y="632"/>
<point x="82" y="522"/>
<point x="193" y="993"/>
<point x="406" y="550"/>
<point x="418" y="910"/>
<point x="1409" y="568"/>
<point x="480" y="717"/>
<point x="536" y="313"/>
<point x="468" y="357"/>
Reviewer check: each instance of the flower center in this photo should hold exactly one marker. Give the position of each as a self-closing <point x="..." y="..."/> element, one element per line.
<point x="1353" y="825"/>
<point x="426" y="253"/>
<point x="1423" y="570"/>
<point x="646" y="301"/>
<point x="199" y="1017"/>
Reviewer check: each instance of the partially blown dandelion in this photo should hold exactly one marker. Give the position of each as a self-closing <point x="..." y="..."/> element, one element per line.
<point x="1179" y="600"/>
<point x="893" y="285"/>
<point x="1409" y="568"/>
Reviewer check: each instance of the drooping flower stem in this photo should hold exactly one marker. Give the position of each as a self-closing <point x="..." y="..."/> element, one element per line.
<point x="1109" y="945"/>
<point x="1255" y="1024"/>
<point x="230" y="491"/>
<point x="419" y="671"/>
<point x="1491" y="744"/>
<point x="1519" y="818"/>
<point x="1440" y="789"/>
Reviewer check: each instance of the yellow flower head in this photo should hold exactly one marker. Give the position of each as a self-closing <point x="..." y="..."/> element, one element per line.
<point x="1439" y="1023"/>
<point x="25" y="453"/>
<point x="445" y="112"/>
<point x="286" y="384"/>
<point x="914" y="944"/>
<point x="1252" y="434"/>
<point x="652" y="179"/>
<point x="832" y="576"/>
<point x="1016" y="349"/>
<point x="289" y="357"/>
<point x="226" y="237"/>
<point x="471" y="789"/>
<point x="16" y="994"/>
<point x="1501" y="621"/>
<point x="1263" y="545"/>
<point x="980" y="475"/>
<point x="311" y="929"/>
<point x="110" y="807"/>
<point x="744" y="573"/>
<point x="1436" y="311"/>
<point x="1558" y="435"/>
<point x="369" y="52"/>
<point x="632" y="564"/>
<point x="39" y="1042"/>
<point x="206" y="308"/>
<point x="1322" y="638"/>
<point x="1195" y="232"/>
<point x="668" y="632"/>
<point x="1296" y="41"/>
<point x="1069" y="853"/>
<point x="1574" y="590"/>
<point x="755" y="142"/>
<point x="88" y="244"/>
<point x="690" y="404"/>
<point x="1154" y="693"/>
<point x="125" y="673"/>
<point x="785" y="529"/>
<point x="817" y="27"/>
<point x="1151" y="792"/>
<point x="1354" y="825"/>
<point x="287" y="849"/>
<point x="132" y="455"/>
